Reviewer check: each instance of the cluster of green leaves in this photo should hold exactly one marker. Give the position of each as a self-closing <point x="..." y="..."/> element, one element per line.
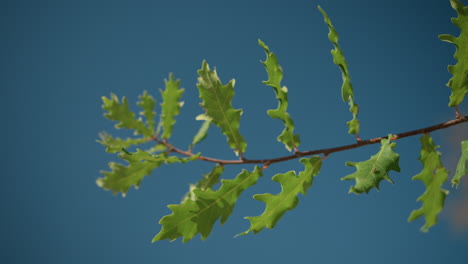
<point x="202" y="206"/>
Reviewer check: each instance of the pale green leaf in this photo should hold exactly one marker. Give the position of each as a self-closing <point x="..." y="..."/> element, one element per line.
<point x="207" y="182"/>
<point x="170" y="106"/>
<point x="114" y="145"/>
<point x="459" y="81"/>
<point x="217" y="103"/>
<point x="122" y="177"/>
<point x="198" y="217"/>
<point x="461" y="166"/>
<point x="121" y="112"/>
<point x="140" y="164"/>
<point x="141" y="155"/>
<point x="371" y="172"/>
<point x="433" y="176"/>
<point x="147" y="104"/>
<point x="275" y="75"/>
<point x="291" y="186"/>
<point x="347" y="93"/>
<point x="201" y="134"/>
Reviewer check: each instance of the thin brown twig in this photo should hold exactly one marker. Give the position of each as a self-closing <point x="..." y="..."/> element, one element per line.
<point x="326" y="152"/>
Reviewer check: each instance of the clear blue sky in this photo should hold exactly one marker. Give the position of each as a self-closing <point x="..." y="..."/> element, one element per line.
<point x="59" y="57"/>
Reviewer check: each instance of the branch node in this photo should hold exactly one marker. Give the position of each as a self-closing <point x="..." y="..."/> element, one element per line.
<point x="325" y="155"/>
<point x="358" y="139"/>
<point x="266" y="165"/>
<point x="457" y="113"/>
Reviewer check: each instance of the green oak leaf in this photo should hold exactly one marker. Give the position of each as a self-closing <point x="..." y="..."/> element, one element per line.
<point x="371" y="172"/>
<point x="291" y="186"/>
<point x="459" y="81"/>
<point x="217" y="103"/>
<point x="121" y="112"/>
<point x="170" y="106"/>
<point x="461" y="166"/>
<point x="207" y="182"/>
<point x="433" y="176"/>
<point x="122" y="177"/>
<point x="140" y="164"/>
<point x="198" y="217"/>
<point x="147" y="104"/>
<point x="141" y="155"/>
<point x="114" y="145"/>
<point x="347" y="93"/>
<point x="275" y="75"/>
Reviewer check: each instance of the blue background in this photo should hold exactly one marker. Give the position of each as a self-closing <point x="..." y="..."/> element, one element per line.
<point x="59" y="57"/>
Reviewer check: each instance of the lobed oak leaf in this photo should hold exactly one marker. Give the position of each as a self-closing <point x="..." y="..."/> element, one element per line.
<point x="459" y="81"/>
<point x="217" y="103"/>
<point x="371" y="172"/>
<point x="433" y="175"/>
<point x="291" y="186"/>
<point x="275" y="75"/>
<point x="198" y="216"/>
<point x="170" y="107"/>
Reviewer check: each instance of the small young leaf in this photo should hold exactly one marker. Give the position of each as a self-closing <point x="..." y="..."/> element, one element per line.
<point x="147" y="104"/>
<point x="121" y="112"/>
<point x="461" y="166"/>
<point x="433" y="176"/>
<point x="207" y="182"/>
<point x="291" y="185"/>
<point x="217" y="103"/>
<point x="201" y="134"/>
<point x="371" y="172"/>
<point x="275" y="75"/>
<point x="347" y="88"/>
<point x="170" y="106"/>
<point x="198" y="217"/>
<point x="459" y="81"/>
